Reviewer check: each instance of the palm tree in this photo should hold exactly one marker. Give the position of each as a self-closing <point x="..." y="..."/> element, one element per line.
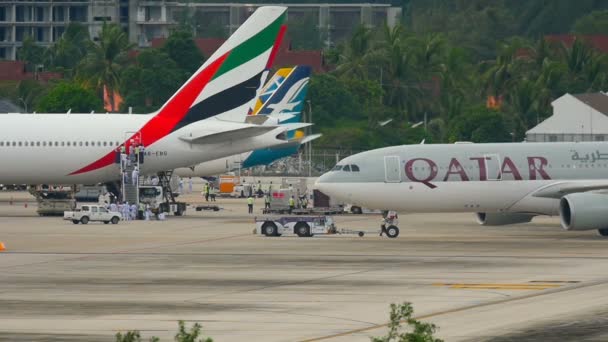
<point x="353" y="60"/>
<point x="101" y="68"/>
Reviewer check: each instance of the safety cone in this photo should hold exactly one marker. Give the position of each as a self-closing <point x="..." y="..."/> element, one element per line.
<point x="2" y="246"/>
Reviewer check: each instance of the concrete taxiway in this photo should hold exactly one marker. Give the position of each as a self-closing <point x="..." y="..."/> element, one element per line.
<point x="65" y="282"/>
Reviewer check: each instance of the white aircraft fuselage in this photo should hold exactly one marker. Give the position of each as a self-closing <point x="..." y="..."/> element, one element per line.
<point x="499" y="178"/>
<point x="53" y="148"/>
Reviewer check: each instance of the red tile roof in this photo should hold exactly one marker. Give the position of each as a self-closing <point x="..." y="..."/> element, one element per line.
<point x="15" y="71"/>
<point x="599" y="42"/>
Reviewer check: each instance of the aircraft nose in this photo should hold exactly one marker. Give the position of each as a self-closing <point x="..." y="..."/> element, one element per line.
<point x="321" y="183"/>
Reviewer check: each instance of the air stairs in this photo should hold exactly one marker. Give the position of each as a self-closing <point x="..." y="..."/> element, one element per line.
<point x="129" y="189"/>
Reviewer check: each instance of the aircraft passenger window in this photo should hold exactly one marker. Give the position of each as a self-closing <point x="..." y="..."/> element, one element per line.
<point x="1" y="143"/>
<point x="105" y="143"/>
<point x="337" y="168"/>
<point x="68" y="143"/>
<point x="44" y="143"/>
<point x="80" y="143"/>
<point x="19" y="144"/>
<point x="63" y="143"/>
<point x="25" y="143"/>
<point x="56" y="143"/>
<point x="346" y="168"/>
<point x="354" y="168"/>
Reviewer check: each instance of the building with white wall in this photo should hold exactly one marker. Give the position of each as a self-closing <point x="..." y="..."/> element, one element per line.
<point x="144" y="20"/>
<point x="580" y="117"/>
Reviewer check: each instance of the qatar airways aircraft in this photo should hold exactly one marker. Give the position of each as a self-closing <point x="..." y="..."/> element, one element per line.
<point x="202" y="121"/>
<point x="281" y="102"/>
<point x="502" y="183"/>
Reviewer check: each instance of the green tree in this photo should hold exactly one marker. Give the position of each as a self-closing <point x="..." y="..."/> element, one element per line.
<point x="193" y="335"/>
<point x="354" y="57"/>
<point x="102" y="66"/>
<point x="595" y="22"/>
<point x="29" y="92"/>
<point x="69" y="96"/>
<point x="181" y="48"/>
<point x="150" y="82"/>
<point x="69" y="50"/>
<point x="481" y="125"/>
<point x="31" y="53"/>
<point x="332" y="101"/>
<point x="418" y="331"/>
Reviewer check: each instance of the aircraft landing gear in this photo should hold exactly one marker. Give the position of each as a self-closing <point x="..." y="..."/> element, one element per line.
<point x="603" y="232"/>
<point x="389" y="224"/>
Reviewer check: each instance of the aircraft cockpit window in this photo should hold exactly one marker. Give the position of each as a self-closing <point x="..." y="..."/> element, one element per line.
<point x="354" y="168"/>
<point x="346" y="168"/>
<point x="337" y="168"/>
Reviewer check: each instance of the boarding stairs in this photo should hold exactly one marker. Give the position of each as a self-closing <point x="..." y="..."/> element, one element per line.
<point x="130" y="191"/>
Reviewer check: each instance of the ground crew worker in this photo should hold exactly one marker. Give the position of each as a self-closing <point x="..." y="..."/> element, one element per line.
<point x="292" y="204"/>
<point x="140" y="211"/>
<point x="135" y="176"/>
<point x="259" y="191"/>
<point x="304" y="202"/>
<point x="123" y="156"/>
<point x="133" y="212"/>
<point x="142" y="152"/>
<point x="117" y="155"/>
<point x="189" y="184"/>
<point x="267" y="201"/>
<point x="137" y="153"/>
<point x="212" y="193"/>
<point x="206" y="191"/>
<point x="250" y="203"/>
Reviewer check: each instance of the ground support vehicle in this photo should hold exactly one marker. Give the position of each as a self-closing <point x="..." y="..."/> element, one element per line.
<point x="303" y="226"/>
<point x="92" y="213"/>
<point x="54" y="199"/>
<point x="307" y="226"/>
<point x="208" y="207"/>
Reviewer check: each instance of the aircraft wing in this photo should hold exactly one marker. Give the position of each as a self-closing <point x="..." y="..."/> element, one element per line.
<point x="558" y="190"/>
<point x="310" y="138"/>
<point x="295" y="125"/>
<point x="215" y="137"/>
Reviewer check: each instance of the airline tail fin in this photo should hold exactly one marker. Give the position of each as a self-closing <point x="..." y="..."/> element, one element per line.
<point x="228" y="80"/>
<point x="225" y="84"/>
<point x="288" y="93"/>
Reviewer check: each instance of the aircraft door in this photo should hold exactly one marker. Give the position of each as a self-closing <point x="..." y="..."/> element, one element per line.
<point x="493" y="162"/>
<point x="392" y="169"/>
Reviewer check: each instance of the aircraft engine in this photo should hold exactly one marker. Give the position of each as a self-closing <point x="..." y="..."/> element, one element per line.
<point x="502" y="219"/>
<point x="584" y="211"/>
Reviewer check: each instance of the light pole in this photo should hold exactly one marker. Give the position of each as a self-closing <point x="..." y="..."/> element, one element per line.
<point x="310" y="142"/>
<point x="24" y="103"/>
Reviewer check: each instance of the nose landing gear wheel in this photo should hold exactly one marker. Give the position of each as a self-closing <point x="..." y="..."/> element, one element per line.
<point x="392" y="232"/>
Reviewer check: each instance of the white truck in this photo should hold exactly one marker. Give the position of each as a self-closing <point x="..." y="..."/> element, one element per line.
<point x="91" y="213"/>
<point x="303" y="226"/>
<point x="159" y="201"/>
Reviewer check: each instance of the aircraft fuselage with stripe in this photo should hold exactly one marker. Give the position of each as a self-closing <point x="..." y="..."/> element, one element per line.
<point x="90" y="137"/>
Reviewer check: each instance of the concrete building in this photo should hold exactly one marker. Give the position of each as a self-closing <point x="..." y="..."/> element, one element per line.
<point x="45" y="20"/>
<point x="145" y="20"/>
<point x="581" y="117"/>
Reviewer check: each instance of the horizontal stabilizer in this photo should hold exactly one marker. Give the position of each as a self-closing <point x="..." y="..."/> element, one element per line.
<point x="310" y="138"/>
<point x="243" y="132"/>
